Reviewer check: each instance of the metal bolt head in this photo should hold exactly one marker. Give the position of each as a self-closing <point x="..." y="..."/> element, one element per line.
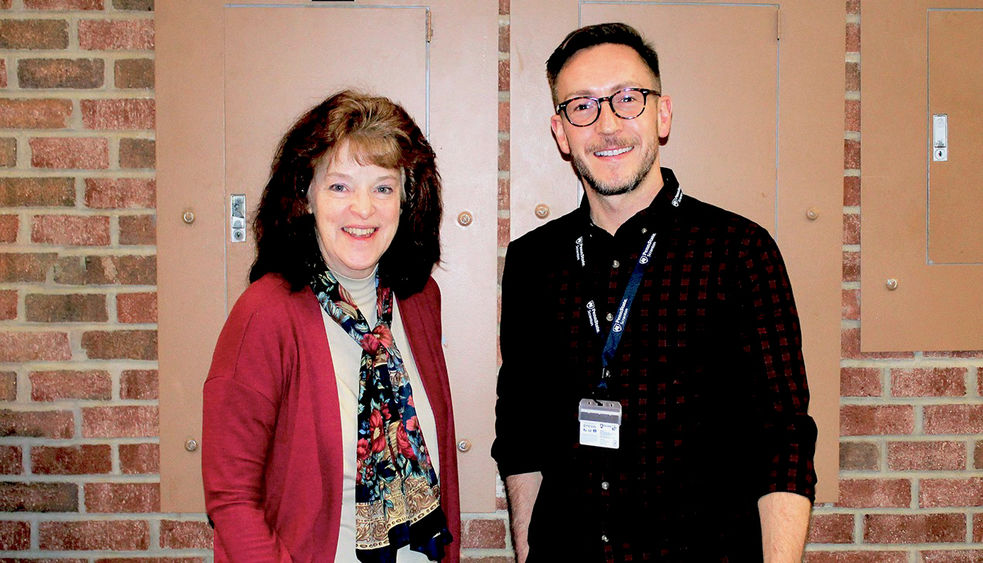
<point x="812" y="214"/>
<point x="465" y="218"/>
<point x="464" y="445"/>
<point x="191" y="445"/>
<point x="542" y="211"/>
<point x="188" y="216"/>
<point x="891" y="284"/>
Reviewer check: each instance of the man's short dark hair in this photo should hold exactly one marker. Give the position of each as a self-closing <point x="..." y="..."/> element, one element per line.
<point x="593" y="35"/>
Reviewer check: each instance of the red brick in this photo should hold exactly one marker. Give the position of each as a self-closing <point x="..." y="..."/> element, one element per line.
<point x="855" y="557"/>
<point x="504" y="228"/>
<point x="36" y="424"/>
<point x="70" y="384"/>
<point x="503" y="154"/>
<point x="17" y="267"/>
<point x="38" y="497"/>
<point x="120" y="344"/>
<point x="9" y="225"/>
<point x="137" y="307"/>
<point x="15" y="535"/>
<point x="853" y="7"/>
<point x="11" y="461"/>
<point x="503" y="75"/>
<point x="852" y="121"/>
<point x="134" y="73"/>
<point x="503" y="117"/>
<point x="34" y="346"/>
<point x="33" y="34"/>
<point x="119" y="422"/>
<point x="831" y="528"/>
<point x="851" y="228"/>
<point x="137" y="153"/>
<point x="118" y="114"/>
<point x="850" y="344"/>
<point x="141" y="5"/>
<point x="504" y="196"/>
<point x="112" y="35"/>
<point x="928" y="382"/>
<point x="851" y="154"/>
<point x="8" y="304"/>
<point x="71" y="460"/>
<point x="503" y="39"/>
<point x="63" y="4"/>
<point x="875" y="493"/>
<point x="851" y="266"/>
<point x="860" y="382"/>
<point x="8" y="145"/>
<point x="138" y="384"/>
<point x="931" y="456"/>
<point x="978" y="455"/>
<point x="37" y="192"/>
<point x="950" y="492"/>
<point x="72" y="230"/>
<point x="955" y="354"/>
<point x="851" y="191"/>
<point x="852" y="38"/>
<point x="61" y="73"/>
<point x="183" y="534"/>
<point x="953" y="419"/>
<point x="978" y="528"/>
<point x="952" y="556"/>
<point x="853" y="77"/>
<point x="105" y="270"/>
<point x="86" y="153"/>
<point x="138" y="229"/>
<point x="71" y="308"/>
<point x="121" y="193"/>
<point x="3" y="65"/>
<point x="35" y="113"/>
<point x="859" y="456"/>
<point x="850" y="305"/>
<point x="8" y="386"/>
<point x="503" y="7"/>
<point x="864" y="420"/>
<point x="483" y="534"/>
<point x="139" y="458"/>
<point x="122" y="497"/>
<point x="95" y="535"/>
<point x="915" y="528"/>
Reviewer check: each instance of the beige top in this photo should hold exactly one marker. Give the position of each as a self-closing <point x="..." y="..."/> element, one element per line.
<point x="346" y="356"/>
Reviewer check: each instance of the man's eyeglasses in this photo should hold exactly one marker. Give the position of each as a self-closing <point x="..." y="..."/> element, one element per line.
<point x="627" y="103"/>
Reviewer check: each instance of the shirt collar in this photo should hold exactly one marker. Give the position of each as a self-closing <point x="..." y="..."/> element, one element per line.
<point x="668" y="198"/>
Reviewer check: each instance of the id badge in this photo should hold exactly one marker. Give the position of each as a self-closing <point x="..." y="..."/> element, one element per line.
<point x="600" y="423"/>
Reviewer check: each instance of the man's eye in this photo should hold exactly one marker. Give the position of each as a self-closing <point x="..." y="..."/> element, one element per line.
<point x="628" y="97"/>
<point x="583" y="105"/>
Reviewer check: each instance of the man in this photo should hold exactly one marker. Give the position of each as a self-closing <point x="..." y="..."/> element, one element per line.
<point x="652" y="398"/>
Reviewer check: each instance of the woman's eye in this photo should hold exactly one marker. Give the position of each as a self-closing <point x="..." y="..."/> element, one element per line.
<point x="384" y="189"/>
<point x="337" y="187"/>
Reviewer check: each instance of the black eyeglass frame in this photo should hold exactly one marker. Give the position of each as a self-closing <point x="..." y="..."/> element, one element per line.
<point x="561" y="108"/>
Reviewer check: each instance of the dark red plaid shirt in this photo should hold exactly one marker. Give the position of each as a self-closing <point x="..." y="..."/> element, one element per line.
<point x="709" y="374"/>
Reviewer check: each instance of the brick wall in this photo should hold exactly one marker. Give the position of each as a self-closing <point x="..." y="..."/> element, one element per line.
<point x="78" y="380"/>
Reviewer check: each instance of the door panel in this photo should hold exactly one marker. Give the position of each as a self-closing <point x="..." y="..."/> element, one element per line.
<point x="265" y="91"/>
<point x="757" y="93"/>
<point x="729" y="113"/>
<point x="230" y="80"/>
<point x="921" y="217"/>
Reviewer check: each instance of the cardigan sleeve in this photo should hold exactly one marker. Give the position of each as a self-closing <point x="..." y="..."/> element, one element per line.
<point x="241" y="398"/>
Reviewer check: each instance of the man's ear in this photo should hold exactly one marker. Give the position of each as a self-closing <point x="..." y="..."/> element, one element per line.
<point x="665" y="116"/>
<point x="556" y="124"/>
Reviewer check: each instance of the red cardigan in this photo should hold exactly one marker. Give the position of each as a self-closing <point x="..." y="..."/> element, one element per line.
<point x="271" y="439"/>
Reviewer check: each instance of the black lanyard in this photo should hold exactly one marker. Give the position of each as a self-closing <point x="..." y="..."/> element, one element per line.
<point x="618" y="326"/>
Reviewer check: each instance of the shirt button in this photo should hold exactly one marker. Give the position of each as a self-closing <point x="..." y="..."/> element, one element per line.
<point x="615" y="264"/>
<point x="644" y="230"/>
<point x="605" y="485"/>
<point x="604" y="538"/>
<point x="609" y="317"/>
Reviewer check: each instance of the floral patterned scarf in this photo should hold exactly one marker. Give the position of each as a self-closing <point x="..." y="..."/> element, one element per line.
<point x="397" y="496"/>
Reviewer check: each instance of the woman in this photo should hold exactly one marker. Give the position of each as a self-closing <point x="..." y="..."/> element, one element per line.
<point x="328" y="430"/>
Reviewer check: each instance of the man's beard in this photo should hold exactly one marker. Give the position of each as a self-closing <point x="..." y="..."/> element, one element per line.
<point x="583" y="171"/>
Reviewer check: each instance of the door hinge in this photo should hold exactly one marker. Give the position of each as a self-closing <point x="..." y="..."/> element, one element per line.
<point x="429" y="26"/>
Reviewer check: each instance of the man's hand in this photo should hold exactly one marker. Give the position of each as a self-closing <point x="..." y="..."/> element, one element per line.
<point x="522" y="490"/>
<point x="784" y="524"/>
